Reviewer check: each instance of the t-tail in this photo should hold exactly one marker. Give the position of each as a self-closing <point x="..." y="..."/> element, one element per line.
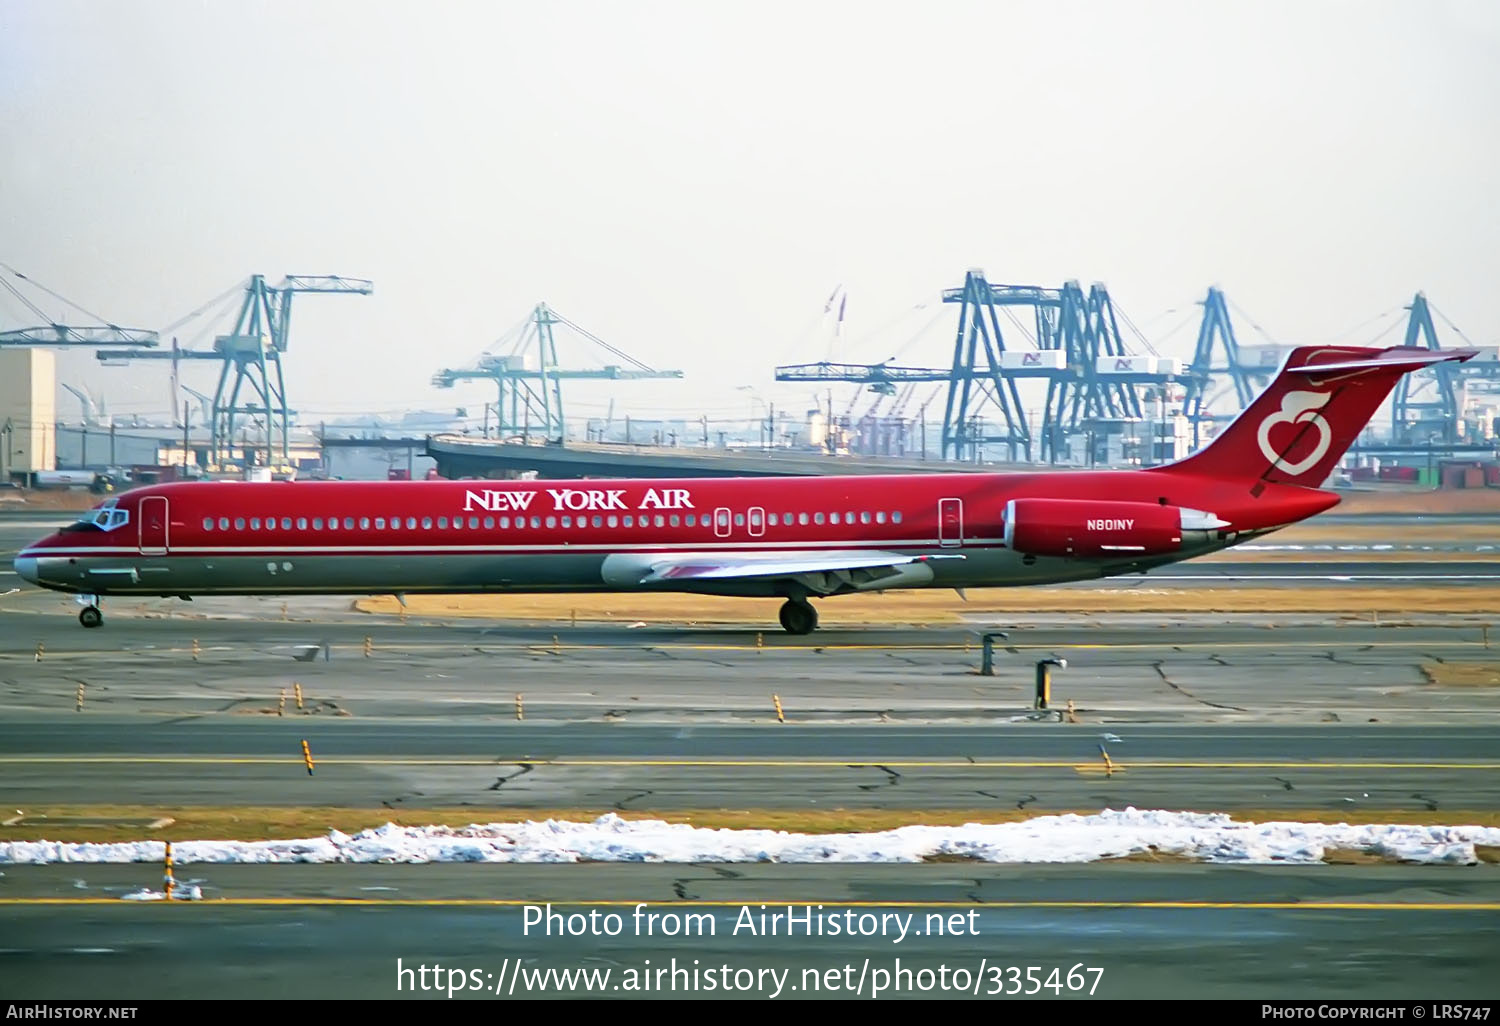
<point x="1297" y="430"/>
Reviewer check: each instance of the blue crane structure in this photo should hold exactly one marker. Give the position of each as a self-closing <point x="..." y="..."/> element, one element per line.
<point x="1216" y="338"/>
<point x="50" y="333"/>
<point x="251" y="352"/>
<point x="1076" y="347"/>
<point x="1429" y="396"/>
<point x="523" y="365"/>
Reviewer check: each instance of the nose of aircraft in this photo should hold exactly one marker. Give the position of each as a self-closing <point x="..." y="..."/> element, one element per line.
<point x="26" y="568"/>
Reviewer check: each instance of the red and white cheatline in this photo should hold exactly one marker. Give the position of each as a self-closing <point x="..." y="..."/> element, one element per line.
<point x="794" y="538"/>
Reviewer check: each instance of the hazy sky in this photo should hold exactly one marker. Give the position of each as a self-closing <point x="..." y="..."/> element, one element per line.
<point x="691" y="181"/>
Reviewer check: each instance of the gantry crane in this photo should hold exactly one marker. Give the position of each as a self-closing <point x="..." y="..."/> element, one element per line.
<point x="50" y="333"/>
<point x="252" y="352"/>
<point x="523" y="365"/>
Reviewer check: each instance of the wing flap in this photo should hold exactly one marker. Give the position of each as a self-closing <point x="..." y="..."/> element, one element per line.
<point x="719" y="567"/>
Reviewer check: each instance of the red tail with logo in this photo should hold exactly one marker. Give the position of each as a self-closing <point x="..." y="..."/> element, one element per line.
<point x="1298" y="429"/>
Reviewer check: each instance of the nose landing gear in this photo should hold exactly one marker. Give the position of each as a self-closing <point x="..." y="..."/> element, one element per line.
<point x="798" y="616"/>
<point x="90" y="616"/>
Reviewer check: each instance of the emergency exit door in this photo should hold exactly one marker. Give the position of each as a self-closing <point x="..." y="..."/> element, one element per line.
<point x="950" y="522"/>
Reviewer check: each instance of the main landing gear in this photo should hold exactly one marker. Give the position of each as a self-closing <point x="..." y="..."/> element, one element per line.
<point x="91" y="616"/>
<point x="799" y="617"/>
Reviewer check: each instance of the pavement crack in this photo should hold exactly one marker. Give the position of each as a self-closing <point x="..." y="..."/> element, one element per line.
<point x="1162" y="673"/>
<point x="1431" y="803"/>
<point x="1286" y="785"/>
<point x="630" y="798"/>
<point x="722" y="872"/>
<point x="525" y="768"/>
<point x="1025" y="801"/>
<point x="892" y="778"/>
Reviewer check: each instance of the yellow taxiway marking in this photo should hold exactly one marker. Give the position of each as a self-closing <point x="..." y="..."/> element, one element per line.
<point x="847" y="763"/>
<point x="1299" y="906"/>
<point x="542" y="647"/>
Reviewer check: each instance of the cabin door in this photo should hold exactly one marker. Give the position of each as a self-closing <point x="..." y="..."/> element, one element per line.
<point x="153" y="525"/>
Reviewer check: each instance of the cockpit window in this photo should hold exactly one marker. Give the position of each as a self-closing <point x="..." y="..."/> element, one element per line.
<point x="106" y="517"/>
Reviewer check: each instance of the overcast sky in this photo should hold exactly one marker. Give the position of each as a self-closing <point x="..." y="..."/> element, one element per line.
<point x="691" y="181"/>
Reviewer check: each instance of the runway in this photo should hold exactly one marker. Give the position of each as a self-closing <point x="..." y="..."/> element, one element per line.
<point x="1136" y="930"/>
<point x="1269" y="714"/>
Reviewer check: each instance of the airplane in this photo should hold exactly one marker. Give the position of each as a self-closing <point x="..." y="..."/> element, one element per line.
<point x="793" y="538"/>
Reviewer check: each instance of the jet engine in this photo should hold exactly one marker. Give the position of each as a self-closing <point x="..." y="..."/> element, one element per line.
<point x="1095" y="528"/>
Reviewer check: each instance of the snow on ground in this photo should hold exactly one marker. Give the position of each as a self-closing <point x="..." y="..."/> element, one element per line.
<point x="1212" y="837"/>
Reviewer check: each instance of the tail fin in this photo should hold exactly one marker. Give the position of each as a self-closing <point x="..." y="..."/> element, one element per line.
<point x="1297" y="430"/>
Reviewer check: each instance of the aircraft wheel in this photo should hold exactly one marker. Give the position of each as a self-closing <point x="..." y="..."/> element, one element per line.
<point x="798" y="617"/>
<point x="91" y="617"/>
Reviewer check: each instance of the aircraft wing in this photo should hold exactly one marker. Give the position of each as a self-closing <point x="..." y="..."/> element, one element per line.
<point x="822" y="572"/>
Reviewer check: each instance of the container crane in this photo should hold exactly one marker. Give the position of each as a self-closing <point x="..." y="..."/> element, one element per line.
<point x="251" y="352"/>
<point x="529" y="380"/>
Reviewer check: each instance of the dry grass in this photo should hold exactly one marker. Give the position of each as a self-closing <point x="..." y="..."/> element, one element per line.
<point x="1318" y="532"/>
<point x="1355" y="857"/>
<point x="1488" y="853"/>
<point x="942" y="606"/>
<point x="1153" y="854"/>
<point x="1467" y="675"/>
<point x="254" y="823"/>
<point x="1459" y="500"/>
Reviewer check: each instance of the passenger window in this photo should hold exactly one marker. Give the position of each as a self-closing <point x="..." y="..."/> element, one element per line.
<point x="504" y="522"/>
<point x="223" y="523"/>
<point x="317" y="523"/>
<point x="598" y="520"/>
<point x="380" y="523"/>
<point x="473" y="523"/>
<point x="771" y="519"/>
<point x="896" y="517"/>
<point x="692" y="520"/>
<point x="802" y="519"/>
<point x="630" y="521"/>
<point x="442" y="523"/>
<point x="568" y="521"/>
<point x="739" y="520"/>
<point x="255" y="523"/>
<point x="286" y="523"/>
<point x="348" y="523"/>
<point x="786" y="518"/>
<point x="673" y="520"/>
<point x="489" y="523"/>
<point x="426" y="523"/>
<point x="833" y="517"/>
<point x="208" y="523"/>
<point x="551" y="522"/>
<point x="333" y="523"/>
<point x="411" y="523"/>
<point x="364" y="523"/>
<point x="301" y="523"/>
<point x="239" y="523"/>
<point x="612" y="521"/>
<point x="536" y="522"/>
<point x="817" y="518"/>
<point x="880" y="516"/>
<point x="864" y="516"/>
<point x="849" y="516"/>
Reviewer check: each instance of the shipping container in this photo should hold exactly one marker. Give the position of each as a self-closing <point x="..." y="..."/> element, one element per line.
<point x="1474" y="477"/>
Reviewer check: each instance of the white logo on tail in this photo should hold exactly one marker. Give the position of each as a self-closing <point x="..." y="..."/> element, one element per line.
<point x="1297" y="408"/>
